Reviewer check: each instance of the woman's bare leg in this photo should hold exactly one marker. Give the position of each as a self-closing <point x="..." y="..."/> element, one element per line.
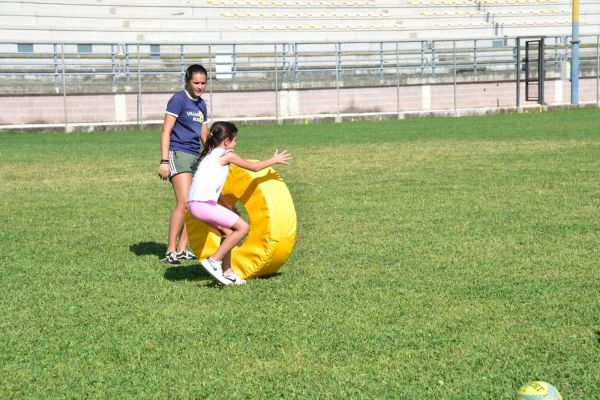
<point x="181" y="185"/>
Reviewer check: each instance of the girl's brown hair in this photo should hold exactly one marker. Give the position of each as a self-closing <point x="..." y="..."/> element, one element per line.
<point x="219" y="131"/>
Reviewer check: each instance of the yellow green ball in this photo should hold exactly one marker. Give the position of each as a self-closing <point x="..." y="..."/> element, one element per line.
<point x="538" y="390"/>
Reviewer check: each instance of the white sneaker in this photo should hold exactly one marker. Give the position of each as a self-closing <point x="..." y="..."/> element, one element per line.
<point x="171" y="258"/>
<point x="233" y="279"/>
<point x="186" y="255"/>
<point x="214" y="270"/>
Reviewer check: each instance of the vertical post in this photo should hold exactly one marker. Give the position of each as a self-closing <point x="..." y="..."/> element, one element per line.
<point x="423" y="44"/>
<point x="139" y="85"/>
<point x="597" y="67"/>
<point x="575" y="54"/>
<point x="397" y="82"/>
<point x="276" y="88"/>
<point x="556" y="57"/>
<point x="181" y="65"/>
<point x="381" y="63"/>
<point x="113" y="57"/>
<point x="475" y="56"/>
<point x="210" y="92"/>
<point x="518" y="72"/>
<point x="454" y="62"/>
<point x="127" y="66"/>
<point x="54" y="46"/>
<point x="234" y="61"/>
<point x="284" y="69"/>
<point x="64" y="88"/>
<point x="541" y="72"/>
<point x="337" y="80"/>
<point x="527" y="70"/>
<point x="433" y="58"/>
<point x="296" y="49"/>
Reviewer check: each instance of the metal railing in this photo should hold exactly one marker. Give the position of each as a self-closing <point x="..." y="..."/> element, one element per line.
<point x="69" y="69"/>
<point x="118" y="67"/>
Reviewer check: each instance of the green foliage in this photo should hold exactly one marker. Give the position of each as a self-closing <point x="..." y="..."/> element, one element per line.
<point x="441" y="258"/>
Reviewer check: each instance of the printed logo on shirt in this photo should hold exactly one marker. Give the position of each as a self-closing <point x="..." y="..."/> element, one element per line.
<point x="196" y="116"/>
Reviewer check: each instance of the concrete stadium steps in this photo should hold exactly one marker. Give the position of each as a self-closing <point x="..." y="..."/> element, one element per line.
<point x="218" y="21"/>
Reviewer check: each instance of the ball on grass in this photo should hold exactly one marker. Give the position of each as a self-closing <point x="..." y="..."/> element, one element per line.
<point x="538" y="390"/>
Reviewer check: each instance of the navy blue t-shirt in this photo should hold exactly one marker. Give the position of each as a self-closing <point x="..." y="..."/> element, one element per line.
<point x="190" y="114"/>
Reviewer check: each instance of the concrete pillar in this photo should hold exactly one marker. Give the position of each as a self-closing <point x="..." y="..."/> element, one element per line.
<point x="426" y="98"/>
<point x="289" y="103"/>
<point x="120" y="108"/>
<point x="559" y="96"/>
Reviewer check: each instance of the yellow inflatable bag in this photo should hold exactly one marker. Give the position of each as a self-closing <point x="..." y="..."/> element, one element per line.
<point x="272" y="220"/>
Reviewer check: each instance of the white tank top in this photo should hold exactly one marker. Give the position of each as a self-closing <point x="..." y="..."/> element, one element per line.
<point x="209" y="177"/>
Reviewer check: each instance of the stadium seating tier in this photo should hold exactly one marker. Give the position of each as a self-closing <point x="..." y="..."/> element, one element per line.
<point x="231" y="21"/>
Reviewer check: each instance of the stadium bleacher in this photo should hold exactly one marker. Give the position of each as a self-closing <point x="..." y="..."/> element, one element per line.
<point x="229" y="21"/>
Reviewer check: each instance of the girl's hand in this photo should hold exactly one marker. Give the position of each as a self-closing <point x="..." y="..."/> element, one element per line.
<point x="282" y="158"/>
<point x="163" y="171"/>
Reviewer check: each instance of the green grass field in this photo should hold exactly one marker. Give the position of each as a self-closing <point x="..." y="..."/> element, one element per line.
<point x="439" y="258"/>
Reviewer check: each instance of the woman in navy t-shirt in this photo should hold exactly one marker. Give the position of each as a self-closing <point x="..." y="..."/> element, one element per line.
<point x="184" y="129"/>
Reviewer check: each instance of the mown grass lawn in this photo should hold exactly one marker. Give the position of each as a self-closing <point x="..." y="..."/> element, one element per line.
<point x="439" y="258"/>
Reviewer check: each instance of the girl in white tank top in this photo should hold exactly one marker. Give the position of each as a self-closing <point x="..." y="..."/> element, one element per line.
<point x="205" y="195"/>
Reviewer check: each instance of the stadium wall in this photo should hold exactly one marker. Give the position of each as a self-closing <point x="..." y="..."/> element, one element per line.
<point x="56" y="87"/>
<point x="97" y="112"/>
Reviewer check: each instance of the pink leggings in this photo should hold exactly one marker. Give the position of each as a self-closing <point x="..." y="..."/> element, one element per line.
<point x="212" y="213"/>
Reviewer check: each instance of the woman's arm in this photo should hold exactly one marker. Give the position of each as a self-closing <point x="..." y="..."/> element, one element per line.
<point x="165" y="140"/>
<point x="165" y="135"/>
<point x="203" y="133"/>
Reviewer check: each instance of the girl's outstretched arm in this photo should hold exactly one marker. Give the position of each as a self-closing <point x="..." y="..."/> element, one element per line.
<point x="278" y="158"/>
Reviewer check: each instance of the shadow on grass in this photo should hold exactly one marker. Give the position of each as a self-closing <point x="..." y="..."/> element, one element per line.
<point x="197" y="273"/>
<point x="192" y="274"/>
<point x="187" y="273"/>
<point x="149" y="248"/>
<point x="598" y="337"/>
<point x="272" y="276"/>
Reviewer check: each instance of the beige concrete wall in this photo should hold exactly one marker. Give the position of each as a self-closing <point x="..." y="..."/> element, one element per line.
<point x="123" y="108"/>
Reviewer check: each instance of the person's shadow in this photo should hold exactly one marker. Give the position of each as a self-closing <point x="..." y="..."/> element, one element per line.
<point x="174" y="272"/>
<point x="188" y="273"/>
<point x="149" y="249"/>
<point x="197" y="273"/>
